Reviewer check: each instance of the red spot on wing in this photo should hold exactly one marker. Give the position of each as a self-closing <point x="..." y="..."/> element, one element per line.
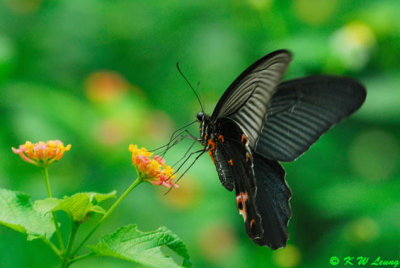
<point x="248" y="156"/>
<point x="241" y="199"/>
<point x="221" y="138"/>
<point x="230" y="162"/>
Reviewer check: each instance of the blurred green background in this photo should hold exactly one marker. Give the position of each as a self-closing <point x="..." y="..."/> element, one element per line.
<point x="101" y="74"/>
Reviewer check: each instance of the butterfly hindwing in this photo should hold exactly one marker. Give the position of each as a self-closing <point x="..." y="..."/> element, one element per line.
<point x="262" y="195"/>
<point x="272" y="201"/>
<point x="234" y="164"/>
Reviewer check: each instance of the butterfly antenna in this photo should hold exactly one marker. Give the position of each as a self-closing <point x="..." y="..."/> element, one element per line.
<point x="201" y="94"/>
<point x="187" y="81"/>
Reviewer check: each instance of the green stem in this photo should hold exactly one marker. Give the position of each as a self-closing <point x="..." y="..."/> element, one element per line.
<point x="46" y="178"/>
<point x="71" y="240"/>
<point x="55" y="220"/>
<point x="84" y="256"/>
<point x="109" y="211"/>
<point x="53" y="247"/>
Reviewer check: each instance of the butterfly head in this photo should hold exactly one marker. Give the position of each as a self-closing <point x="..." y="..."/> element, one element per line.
<point x="200" y="116"/>
<point x="205" y="127"/>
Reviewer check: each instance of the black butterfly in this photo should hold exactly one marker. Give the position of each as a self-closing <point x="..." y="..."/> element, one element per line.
<point x="259" y="122"/>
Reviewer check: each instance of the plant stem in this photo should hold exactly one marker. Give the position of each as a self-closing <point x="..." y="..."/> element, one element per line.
<point x="46" y="178"/>
<point x="53" y="247"/>
<point x="55" y="220"/>
<point x="71" y="239"/>
<point x="109" y="211"/>
<point x="81" y="257"/>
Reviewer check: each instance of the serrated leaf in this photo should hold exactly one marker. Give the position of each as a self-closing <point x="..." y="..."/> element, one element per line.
<point x="18" y="212"/>
<point x="77" y="206"/>
<point x="130" y="244"/>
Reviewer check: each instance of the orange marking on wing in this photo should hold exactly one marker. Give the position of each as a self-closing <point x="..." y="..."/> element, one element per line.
<point x="212" y="144"/>
<point x="212" y="156"/>
<point x="221" y="138"/>
<point x="245" y="197"/>
<point x="244" y="138"/>
<point x="251" y="223"/>
<point x="247" y="157"/>
<point x="230" y="162"/>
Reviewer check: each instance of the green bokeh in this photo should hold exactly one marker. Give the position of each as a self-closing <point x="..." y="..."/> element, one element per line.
<point x="101" y="74"/>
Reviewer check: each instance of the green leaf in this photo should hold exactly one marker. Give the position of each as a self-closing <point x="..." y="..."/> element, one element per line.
<point x="77" y="206"/>
<point x="46" y="205"/>
<point x="130" y="244"/>
<point x="17" y="212"/>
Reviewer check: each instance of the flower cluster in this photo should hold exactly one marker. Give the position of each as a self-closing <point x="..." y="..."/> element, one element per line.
<point x="152" y="169"/>
<point x="42" y="153"/>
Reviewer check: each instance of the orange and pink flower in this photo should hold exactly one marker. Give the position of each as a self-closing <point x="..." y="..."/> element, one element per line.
<point x="152" y="168"/>
<point x="42" y="153"/>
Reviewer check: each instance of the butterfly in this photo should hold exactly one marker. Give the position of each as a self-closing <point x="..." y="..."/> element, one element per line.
<point x="259" y="122"/>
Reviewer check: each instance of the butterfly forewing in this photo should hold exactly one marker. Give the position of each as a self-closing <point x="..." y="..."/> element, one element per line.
<point x="247" y="98"/>
<point x="302" y="110"/>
